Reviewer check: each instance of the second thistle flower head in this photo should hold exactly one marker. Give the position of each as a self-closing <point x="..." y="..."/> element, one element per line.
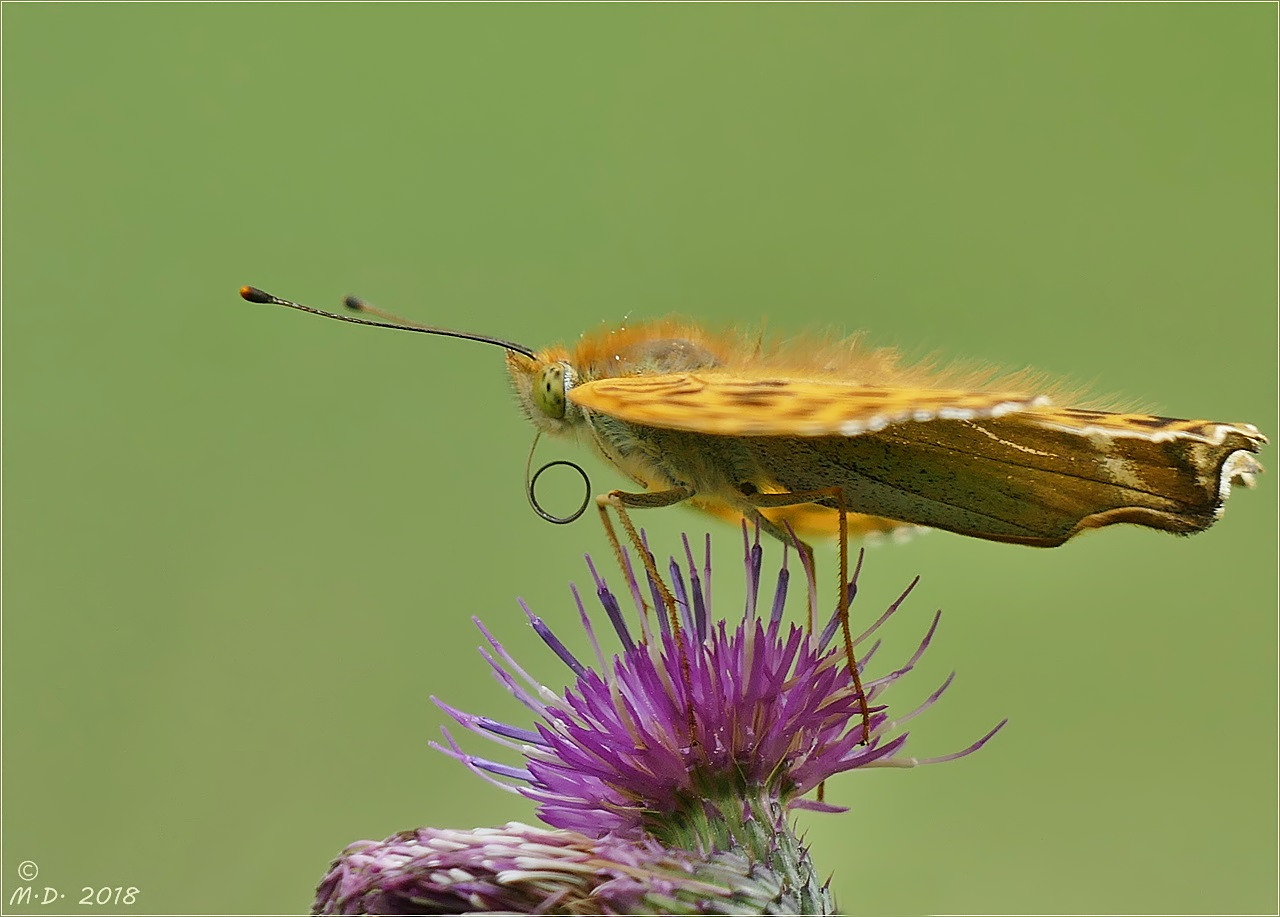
<point x="697" y="738"/>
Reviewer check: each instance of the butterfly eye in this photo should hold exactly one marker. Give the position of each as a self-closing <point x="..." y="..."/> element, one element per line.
<point x="549" y="390"/>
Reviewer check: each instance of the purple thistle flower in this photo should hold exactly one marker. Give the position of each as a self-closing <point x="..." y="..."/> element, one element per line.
<point x="774" y="714"/>
<point x="519" y="869"/>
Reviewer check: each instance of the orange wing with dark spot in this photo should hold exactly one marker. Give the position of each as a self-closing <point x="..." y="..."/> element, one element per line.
<point x="723" y="405"/>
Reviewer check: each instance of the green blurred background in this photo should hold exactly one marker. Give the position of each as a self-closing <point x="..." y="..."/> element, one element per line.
<point x="243" y="546"/>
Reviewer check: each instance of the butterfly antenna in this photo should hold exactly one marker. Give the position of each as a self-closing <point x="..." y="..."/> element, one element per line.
<point x="356" y="304"/>
<point x="253" y="294"/>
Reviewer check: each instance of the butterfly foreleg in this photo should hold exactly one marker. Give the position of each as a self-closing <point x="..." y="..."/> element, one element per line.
<point x="834" y="494"/>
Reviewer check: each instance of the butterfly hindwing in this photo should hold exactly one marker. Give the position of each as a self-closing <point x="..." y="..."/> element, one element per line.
<point x="1035" y="477"/>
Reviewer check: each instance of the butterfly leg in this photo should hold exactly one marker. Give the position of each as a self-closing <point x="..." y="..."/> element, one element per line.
<point x="620" y="500"/>
<point x="836" y="494"/>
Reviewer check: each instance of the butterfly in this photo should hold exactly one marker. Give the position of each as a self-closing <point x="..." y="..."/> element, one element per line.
<point x="831" y="437"/>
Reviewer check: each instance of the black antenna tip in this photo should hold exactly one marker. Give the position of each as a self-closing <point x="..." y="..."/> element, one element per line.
<point x="354" y="303"/>
<point x="253" y="294"/>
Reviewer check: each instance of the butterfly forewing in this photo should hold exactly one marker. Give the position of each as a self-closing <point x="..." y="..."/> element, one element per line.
<point x="812" y="520"/>
<point x="725" y="405"/>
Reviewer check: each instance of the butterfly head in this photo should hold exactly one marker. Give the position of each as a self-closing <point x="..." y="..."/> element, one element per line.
<point x="542" y="385"/>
